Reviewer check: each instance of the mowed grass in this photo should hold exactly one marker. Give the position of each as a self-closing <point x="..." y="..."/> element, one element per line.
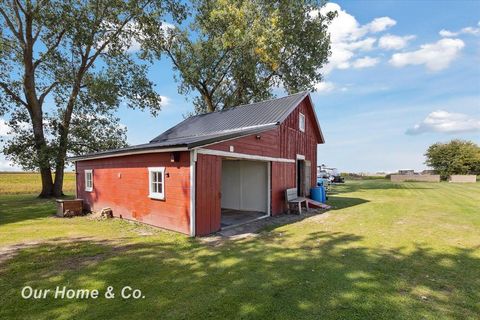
<point x="30" y="183"/>
<point x="387" y="251"/>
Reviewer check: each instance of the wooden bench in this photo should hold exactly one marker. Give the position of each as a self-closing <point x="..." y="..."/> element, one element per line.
<point x="292" y="198"/>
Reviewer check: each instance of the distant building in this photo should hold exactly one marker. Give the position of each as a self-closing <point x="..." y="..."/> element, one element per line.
<point x="406" y="172"/>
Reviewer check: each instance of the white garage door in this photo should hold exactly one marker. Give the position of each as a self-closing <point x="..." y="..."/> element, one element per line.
<point x="244" y="185"/>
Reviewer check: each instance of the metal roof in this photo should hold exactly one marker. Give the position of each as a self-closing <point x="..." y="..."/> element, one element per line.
<point x="264" y="113"/>
<point x="216" y="126"/>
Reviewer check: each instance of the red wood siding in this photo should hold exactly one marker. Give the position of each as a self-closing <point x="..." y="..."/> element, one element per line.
<point x="121" y="183"/>
<point x="294" y="142"/>
<point x="208" y="177"/>
<point x="285" y="141"/>
<point x="283" y="177"/>
<point x="267" y="145"/>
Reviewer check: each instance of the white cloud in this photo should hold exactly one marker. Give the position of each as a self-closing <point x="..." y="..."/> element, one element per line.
<point x="446" y="33"/>
<point x="380" y="24"/>
<point x="4" y="128"/>
<point x="365" y="62"/>
<point x="392" y="42"/>
<point x="471" y="30"/>
<point x="325" y="86"/>
<point x="364" y="45"/>
<point x="446" y="122"/>
<point x="344" y="27"/>
<point x="348" y="36"/>
<point x="435" y="56"/>
<point x="165" y="101"/>
<point x="466" y="30"/>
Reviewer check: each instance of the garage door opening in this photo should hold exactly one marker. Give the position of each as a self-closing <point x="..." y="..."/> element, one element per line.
<point x="245" y="191"/>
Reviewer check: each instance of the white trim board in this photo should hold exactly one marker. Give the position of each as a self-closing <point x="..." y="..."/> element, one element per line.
<point x="269" y="188"/>
<point x="316" y="118"/>
<point x="193" y="159"/>
<point x="129" y="154"/>
<point x="242" y="155"/>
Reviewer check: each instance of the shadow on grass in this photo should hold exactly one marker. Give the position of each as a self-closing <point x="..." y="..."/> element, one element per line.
<point x="276" y="221"/>
<point x="328" y="276"/>
<point x="17" y="208"/>
<point x="338" y="202"/>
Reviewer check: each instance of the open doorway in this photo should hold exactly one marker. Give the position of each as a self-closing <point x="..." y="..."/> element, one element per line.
<point x="303" y="175"/>
<point x="244" y="191"/>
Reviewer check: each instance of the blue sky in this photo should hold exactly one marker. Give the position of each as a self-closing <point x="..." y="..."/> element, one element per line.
<point x="402" y="76"/>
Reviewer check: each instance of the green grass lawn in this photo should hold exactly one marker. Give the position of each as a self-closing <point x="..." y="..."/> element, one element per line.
<point x="387" y="251"/>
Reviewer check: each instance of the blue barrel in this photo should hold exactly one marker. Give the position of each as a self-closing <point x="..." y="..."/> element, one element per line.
<point x="318" y="194"/>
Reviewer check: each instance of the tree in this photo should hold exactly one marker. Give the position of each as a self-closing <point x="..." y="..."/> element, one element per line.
<point x="454" y="157"/>
<point x="237" y="51"/>
<point x="74" y="54"/>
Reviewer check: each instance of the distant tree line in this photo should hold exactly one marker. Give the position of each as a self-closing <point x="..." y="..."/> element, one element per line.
<point x="454" y="157"/>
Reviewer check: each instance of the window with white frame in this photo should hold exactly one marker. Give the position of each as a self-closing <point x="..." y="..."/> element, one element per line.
<point x="301" y="122"/>
<point x="89" y="180"/>
<point x="156" y="179"/>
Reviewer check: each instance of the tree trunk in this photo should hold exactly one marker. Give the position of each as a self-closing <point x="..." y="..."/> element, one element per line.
<point x="43" y="158"/>
<point x="209" y="102"/>
<point x="41" y="149"/>
<point x="61" y="155"/>
<point x="36" y="114"/>
<point x="60" y="160"/>
<point x="47" y="183"/>
<point x="63" y="135"/>
<point x="59" y="174"/>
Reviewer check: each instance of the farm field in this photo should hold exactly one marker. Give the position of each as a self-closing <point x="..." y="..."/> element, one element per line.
<point x="30" y="183"/>
<point x="386" y="251"/>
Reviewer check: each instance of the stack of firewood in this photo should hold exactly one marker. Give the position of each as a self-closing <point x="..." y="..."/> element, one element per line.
<point x="107" y="213"/>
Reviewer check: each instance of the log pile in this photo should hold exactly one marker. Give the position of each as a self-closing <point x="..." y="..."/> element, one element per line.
<point x="105" y="213"/>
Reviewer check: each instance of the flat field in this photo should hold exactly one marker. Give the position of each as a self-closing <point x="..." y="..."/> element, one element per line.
<point x="30" y="183"/>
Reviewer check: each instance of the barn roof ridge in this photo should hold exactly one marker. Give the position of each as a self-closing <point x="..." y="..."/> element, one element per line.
<point x="234" y="119"/>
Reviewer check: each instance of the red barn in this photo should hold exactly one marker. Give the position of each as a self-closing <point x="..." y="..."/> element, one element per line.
<point x="209" y="171"/>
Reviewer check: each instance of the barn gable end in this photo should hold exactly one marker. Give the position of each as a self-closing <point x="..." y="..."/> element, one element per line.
<point x="285" y="143"/>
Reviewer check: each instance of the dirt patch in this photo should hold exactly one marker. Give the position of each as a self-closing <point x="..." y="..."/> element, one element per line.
<point x="8" y="252"/>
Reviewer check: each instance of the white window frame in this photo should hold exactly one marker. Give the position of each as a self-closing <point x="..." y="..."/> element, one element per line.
<point x="88" y="188"/>
<point x="151" y="193"/>
<point x="301" y="122"/>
